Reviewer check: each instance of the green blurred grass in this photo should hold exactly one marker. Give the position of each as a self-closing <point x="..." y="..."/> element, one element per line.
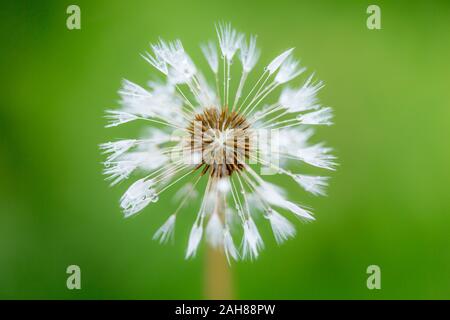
<point x="387" y="204"/>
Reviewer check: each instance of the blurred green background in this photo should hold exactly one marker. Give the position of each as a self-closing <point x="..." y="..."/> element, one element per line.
<point x="388" y="202"/>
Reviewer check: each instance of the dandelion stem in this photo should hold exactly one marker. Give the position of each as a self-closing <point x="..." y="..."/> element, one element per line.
<point x="218" y="276"/>
<point x="218" y="279"/>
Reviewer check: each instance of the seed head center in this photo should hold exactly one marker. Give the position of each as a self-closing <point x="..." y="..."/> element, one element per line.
<point x="223" y="138"/>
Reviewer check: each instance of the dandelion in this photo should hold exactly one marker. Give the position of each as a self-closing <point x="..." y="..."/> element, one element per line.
<point x="204" y="141"/>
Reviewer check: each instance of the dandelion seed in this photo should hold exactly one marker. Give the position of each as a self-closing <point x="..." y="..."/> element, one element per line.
<point x="138" y="196"/>
<point x="229" y="247"/>
<point x="322" y="116"/>
<point x="214" y="231"/>
<point x="314" y="184"/>
<point x="289" y="70"/>
<point x="194" y="240"/>
<point x="318" y="156"/>
<point x="304" y="98"/>
<point x="249" y="54"/>
<point x="229" y="40"/>
<point x="281" y="227"/>
<point x="165" y="232"/>
<point x="278" y="61"/>
<point x="252" y="241"/>
<point x="119" y="117"/>
<point x="117" y="148"/>
<point x="210" y="52"/>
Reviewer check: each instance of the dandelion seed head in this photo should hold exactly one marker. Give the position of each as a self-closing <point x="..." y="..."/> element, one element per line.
<point x="203" y="127"/>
